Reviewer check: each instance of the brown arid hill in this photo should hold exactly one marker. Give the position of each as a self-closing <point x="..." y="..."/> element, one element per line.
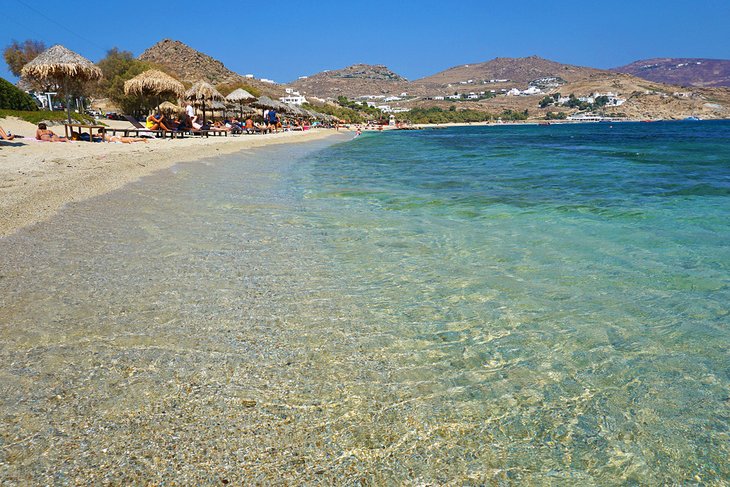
<point x="644" y="99"/>
<point x="518" y="71"/>
<point x="352" y="82"/>
<point x="189" y="65"/>
<point x="681" y="71"/>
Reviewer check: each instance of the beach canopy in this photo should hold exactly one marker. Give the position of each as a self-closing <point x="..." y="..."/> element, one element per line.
<point x="154" y="82"/>
<point x="295" y="110"/>
<point x="239" y="95"/>
<point x="61" y="66"/>
<point x="201" y="92"/>
<point x="265" y="103"/>
<point x="167" y="106"/>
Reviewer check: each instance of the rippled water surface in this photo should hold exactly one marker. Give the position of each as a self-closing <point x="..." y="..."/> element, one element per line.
<point x="497" y="305"/>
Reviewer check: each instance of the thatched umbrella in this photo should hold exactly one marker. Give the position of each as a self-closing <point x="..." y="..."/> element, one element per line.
<point x="218" y="106"/>
<point x="240" y="96"/>
<point x="60" y="66"/>
<point x="169" y="107"/>
<point x="154" y="83"/>
<point x="265" y="103"/>
<point x="202" y="91"/>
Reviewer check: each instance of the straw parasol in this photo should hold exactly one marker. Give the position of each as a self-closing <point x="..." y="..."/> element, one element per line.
<point x="202" y="91"/>
<point x="170" y="107"/>
<point x="154" y="83"/>
<point x="60" y="66"/>
<point x="265" y="102"/>
<point x="240" y="96"/>
<point x="218" y="106"/>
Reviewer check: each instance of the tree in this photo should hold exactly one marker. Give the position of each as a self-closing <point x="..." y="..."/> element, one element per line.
<point x="11" y="98"/>
<point x="118" y="67"/>
<point x="547" y="101"/>
<point x="19" y="54"/>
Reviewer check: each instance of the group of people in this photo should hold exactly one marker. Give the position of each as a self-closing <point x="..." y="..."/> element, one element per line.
<point x="188" y="122"/>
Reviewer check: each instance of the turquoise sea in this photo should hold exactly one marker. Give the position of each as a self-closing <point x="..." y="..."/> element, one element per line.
<point x="510" y="305"/>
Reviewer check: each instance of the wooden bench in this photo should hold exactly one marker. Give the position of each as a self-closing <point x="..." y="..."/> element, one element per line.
<point x="68" y="128"/>
<point x="129" y="132"/>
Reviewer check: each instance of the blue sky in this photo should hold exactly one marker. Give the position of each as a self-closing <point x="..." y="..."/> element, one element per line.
<point x="282" y="40"/>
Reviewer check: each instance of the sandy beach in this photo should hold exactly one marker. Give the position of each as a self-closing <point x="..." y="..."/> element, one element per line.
<point x="38" y="178"/>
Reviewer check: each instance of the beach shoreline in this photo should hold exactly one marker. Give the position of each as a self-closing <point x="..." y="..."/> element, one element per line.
<point x="37" y="179"/>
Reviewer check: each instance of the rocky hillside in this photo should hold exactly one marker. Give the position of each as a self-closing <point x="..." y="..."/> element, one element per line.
<point x="511" y="71"/>
<point x="681" y="71"/>
<point x="190" y="65"/>
<point x="353" y="81"/>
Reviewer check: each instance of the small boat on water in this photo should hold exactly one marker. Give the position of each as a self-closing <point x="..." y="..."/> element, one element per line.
<point x="691" y="119"/>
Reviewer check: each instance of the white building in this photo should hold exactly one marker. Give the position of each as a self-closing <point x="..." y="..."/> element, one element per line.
<point x="532" y="90"/>
<point x="293" y="99"/>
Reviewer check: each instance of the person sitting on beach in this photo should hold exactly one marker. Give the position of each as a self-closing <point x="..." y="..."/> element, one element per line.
<point x="194" y="123"/>
<point x="45" y="134"/>
<point x="248" y="126"/>
<point x="6" y="135"/>
<point x="156" y="122"/>
<point x="220" y="126"/>
<point x="174" y="124"/>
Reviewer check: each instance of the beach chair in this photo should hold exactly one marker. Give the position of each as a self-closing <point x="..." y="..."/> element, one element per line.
<point x="141" y="129"/>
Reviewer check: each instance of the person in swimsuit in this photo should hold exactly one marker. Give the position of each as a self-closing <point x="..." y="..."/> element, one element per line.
<point x="156" y="122"/>
<point x="115" y="138"/>
<point x="45" y="134"/>
<point x="5" y="136"/>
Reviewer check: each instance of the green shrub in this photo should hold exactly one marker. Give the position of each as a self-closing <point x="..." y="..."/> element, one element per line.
<point x="11" y="98"/>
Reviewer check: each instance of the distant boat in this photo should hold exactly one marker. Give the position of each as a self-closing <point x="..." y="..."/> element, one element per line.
<point x="691" y="119"/>
<point x="543" y="123"/>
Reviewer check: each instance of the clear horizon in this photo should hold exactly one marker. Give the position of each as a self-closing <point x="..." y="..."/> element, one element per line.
<point x="414" y="39"/>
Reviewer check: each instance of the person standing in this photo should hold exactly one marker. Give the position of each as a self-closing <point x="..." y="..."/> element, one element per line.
<point x="273" y="120"/>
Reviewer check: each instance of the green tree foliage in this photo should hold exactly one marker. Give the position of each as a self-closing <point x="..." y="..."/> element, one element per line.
<point x="12" y="98"/>
<point x="438" y="115"/>
<point x="366" y="110"/>
<point x="118" y="67"/>
<point x="556" y="116"/>
<point x="18" y="54"/>
<point x="546" y="102"/>
<point x="347" y="114"/>
<point x="601" y="101"/>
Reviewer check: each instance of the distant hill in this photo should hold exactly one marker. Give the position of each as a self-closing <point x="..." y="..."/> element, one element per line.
<point x="353" y="81"/>
<point x="681" y="71"/>
<point x="190" y="65"/>
<point x="517" y="71"/>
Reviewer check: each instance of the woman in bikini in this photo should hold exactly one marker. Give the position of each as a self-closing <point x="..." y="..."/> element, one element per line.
<point x="116" y="138"/>
<point x="45" y="134"/>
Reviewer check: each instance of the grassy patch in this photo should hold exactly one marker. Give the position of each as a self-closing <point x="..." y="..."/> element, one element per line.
<point x="45" y="116"/>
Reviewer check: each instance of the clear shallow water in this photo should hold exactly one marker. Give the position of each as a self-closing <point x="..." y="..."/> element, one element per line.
<point x="474" y="305"/>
